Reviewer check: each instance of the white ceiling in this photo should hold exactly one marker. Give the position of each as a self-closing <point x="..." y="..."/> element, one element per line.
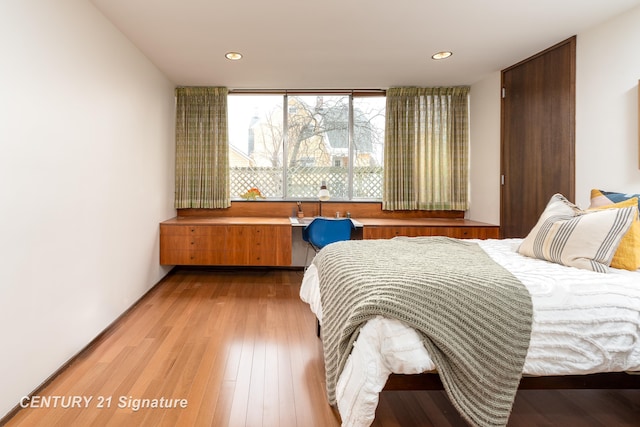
<point x="347" y="44"/>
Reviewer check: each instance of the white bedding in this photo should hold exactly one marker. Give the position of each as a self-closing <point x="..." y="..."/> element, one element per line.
<point x="584" y="322"/>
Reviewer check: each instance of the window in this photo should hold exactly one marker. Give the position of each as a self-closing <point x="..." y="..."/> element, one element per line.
<point x="287" y="144"/>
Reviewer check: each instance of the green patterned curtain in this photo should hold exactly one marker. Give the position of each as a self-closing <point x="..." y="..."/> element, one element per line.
<point x="202" y="148"/>
<point x="426" y="149"/>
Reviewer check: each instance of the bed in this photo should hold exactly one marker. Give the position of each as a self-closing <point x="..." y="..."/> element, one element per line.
<point x="581" y="323"/>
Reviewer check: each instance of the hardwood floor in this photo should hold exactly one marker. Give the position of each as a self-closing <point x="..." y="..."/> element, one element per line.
<point x="240" y="348"/>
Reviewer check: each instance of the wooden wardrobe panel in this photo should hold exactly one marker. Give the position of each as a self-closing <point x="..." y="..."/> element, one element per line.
<point x="538" y="136"/>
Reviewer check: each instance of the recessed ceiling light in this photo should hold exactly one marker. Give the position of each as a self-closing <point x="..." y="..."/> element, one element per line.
<point x="233" y="56"/>
<point x="441" y="55"/>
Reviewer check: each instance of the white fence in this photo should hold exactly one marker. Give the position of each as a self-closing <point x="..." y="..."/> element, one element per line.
<point x="304" y="182"/>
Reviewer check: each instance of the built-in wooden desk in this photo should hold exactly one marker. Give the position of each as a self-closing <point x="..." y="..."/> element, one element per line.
<point x="269" y="241"/>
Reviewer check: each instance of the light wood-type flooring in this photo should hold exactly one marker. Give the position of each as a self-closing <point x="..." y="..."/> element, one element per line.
<point x="239" y="346"/>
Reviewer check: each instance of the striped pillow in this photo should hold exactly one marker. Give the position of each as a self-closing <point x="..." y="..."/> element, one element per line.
<point x="567" y="235"/>
<point x="627" y="255"/>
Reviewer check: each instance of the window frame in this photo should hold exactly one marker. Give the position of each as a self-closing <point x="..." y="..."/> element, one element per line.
<point x="351" y="94"/>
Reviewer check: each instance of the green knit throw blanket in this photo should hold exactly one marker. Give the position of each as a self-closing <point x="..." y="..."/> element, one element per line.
<point x="473" y="315"/>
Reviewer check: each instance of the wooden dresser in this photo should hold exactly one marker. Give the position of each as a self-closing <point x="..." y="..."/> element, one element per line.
<point x="386" y="228"/>
<point x="226" y="241"/>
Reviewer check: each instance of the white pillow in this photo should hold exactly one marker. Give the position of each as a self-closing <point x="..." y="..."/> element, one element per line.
<point x="567" y="235"/>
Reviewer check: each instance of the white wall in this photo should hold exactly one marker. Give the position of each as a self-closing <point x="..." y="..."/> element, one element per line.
<point x="485" y="150"/>
<point x="607" y="74"/>
<point x="86" y="175"/>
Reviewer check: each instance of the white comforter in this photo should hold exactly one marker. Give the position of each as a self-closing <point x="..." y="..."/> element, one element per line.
<point x="584" y="322"/>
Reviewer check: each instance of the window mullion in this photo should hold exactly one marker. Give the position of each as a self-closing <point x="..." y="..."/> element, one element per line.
<point x="351" y="151"/>
<point x="285" y="146"/>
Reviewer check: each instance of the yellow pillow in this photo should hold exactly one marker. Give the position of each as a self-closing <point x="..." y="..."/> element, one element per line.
<point x="627" y="256"/>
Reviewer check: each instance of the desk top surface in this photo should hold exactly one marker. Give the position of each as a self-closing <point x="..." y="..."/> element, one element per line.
<point x="359" y="222"/>
<point x="227" y="220"/>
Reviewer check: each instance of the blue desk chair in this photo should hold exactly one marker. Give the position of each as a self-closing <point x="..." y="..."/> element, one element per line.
<point x="322" y="231"/>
